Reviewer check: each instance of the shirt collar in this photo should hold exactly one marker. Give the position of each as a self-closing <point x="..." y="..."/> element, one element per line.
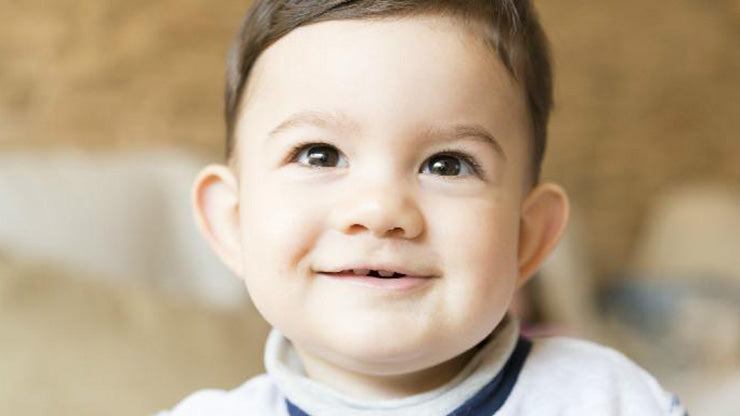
<point x="487" y="378"/>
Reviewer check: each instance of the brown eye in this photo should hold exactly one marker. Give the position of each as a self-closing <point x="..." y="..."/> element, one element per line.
<point x="445" y="166"/>
<point x="449" y="165"/>
<point x="317" y="156"/>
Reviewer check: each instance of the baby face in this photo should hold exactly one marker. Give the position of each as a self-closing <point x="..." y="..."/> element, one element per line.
<point x="397" y="146"/>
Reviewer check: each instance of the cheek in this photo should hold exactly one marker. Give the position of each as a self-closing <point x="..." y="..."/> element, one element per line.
<point x="478" y="248"/>
<point x="481" y="243"/>
<point x="276" y="238"/>
<point x="278" y="222"/>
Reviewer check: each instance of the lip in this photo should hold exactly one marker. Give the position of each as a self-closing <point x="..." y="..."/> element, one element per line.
<point x="399" y="285"/>
<point x="381" y="266"/>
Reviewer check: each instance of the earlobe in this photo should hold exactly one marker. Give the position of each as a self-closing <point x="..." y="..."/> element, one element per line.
<point x="544" y="217"/>
<point x="215" y="203"/>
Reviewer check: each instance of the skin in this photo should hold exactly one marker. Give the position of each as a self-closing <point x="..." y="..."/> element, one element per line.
<point x="276" y="221"/>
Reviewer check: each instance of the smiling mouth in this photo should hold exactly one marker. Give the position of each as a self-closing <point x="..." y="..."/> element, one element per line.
<point x="381" y="274"/>
<point x="384" y="281"/>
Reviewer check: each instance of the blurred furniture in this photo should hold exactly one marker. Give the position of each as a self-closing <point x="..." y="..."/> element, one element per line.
<point x="70" y="346"/>
<point x="676" y="310"/>
<point x="122" y="217"/>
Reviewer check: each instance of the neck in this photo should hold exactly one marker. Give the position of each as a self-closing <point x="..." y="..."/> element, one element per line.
<point x="382" y="387"/>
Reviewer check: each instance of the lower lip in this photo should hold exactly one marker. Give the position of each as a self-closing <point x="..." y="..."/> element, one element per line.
<point x="399" y="284"/>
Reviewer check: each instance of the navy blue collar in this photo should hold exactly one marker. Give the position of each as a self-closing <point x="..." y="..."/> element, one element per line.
<point x="490" y="398"/>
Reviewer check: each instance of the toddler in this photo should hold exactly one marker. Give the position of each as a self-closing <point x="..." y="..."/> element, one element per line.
<point x="381" y="201"/>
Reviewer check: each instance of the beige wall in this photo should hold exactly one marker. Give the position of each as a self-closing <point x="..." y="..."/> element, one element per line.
<point x="106" y="73"/>
<point x="647" y="91"/>
<point x="647" y="96"/>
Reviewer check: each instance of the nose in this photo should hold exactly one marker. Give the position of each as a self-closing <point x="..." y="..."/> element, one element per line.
<point x="382" y="211"/>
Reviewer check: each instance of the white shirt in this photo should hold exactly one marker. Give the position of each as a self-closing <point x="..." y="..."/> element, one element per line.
<point x="508" y="376"/>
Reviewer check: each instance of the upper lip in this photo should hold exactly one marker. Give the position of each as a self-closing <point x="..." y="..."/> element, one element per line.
<point x="389" y="267"/>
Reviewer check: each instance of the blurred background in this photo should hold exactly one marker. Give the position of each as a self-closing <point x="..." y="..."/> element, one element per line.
<point x="110" y="302"/>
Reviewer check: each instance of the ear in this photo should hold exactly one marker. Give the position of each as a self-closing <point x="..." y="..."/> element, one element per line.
<point x="215" y="202"/>
<point x="544" y="216"/>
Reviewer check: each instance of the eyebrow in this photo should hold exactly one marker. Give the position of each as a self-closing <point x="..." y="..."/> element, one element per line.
<point x="314" y="118"/>
<point x="440" y="133"/>
<point x="467" y="131"/>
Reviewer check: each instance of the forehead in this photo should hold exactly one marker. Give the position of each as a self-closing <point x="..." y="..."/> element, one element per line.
<point x="386" y="77"/>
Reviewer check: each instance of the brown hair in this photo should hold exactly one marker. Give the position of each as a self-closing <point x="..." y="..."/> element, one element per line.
<point x="510" y="28"/>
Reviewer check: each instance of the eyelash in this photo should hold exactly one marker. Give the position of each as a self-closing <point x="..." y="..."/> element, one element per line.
<point x="476" y="167"/>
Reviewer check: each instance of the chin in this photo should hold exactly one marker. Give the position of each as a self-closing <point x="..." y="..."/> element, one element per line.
<point x="384" y="362"/>
<point x="380" y="351"/>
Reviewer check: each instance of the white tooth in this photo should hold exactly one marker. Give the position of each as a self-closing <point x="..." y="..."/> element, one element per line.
<point x="362" y="272"/>
<point x="384" y="273"/>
